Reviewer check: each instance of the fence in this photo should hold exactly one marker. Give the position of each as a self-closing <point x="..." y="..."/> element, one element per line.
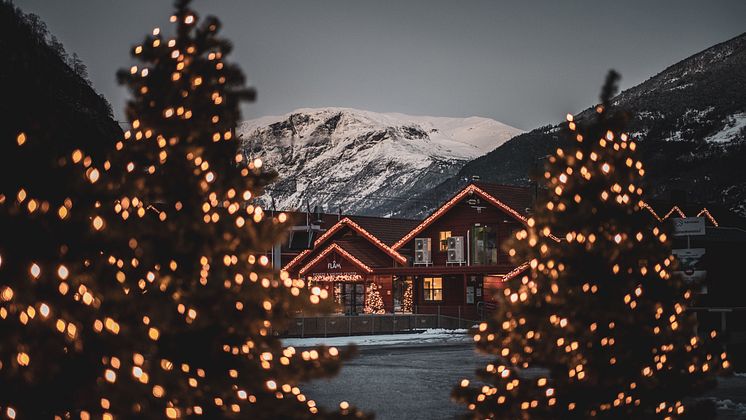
<point x="730" y="323"/>
<point x="449" y="317"/>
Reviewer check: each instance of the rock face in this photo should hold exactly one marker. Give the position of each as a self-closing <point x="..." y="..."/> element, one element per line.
<point x="363" y="162"/>
<point x="690" y="120"/>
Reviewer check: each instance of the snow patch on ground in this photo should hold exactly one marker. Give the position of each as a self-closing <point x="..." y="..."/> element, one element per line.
<point x="730" y="406"/>
<point x="427" y="337"/>
<point x="675" y="136"/>
<point x="736" y="123"/>
<point x="684" y="86"/>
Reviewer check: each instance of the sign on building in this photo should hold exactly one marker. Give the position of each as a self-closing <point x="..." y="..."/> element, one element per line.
<point x="688" y="226"/>
<point x="690" y="267"/>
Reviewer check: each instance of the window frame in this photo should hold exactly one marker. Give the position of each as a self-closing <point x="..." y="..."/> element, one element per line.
<point x="443" y="241"/>
<point x="430" y="294"/>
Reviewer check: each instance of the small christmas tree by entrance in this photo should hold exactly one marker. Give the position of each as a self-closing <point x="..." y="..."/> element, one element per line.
<point x="373" y="300"/>
<point x="599" y="314"/>
<point x="408" y="301"/>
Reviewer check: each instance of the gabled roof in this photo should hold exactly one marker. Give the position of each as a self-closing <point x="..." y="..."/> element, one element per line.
<point x="336" y="247"/>
<point x="677" y="212"/>
<point x="379" y="226"/>
<point x="516" y="271"/>
<point x="518" y="198"/>
<point x="296" y="259"/>
<point x="378" y="231"/>
<point x="513" y="201"/>
<point x="386" y="229"/>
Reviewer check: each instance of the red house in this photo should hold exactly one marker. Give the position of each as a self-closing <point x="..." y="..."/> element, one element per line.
<point x="447" y="263"/>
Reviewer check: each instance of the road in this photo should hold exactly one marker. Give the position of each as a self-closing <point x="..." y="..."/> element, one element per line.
<point x="401" y="382"/>
<point x="415" y="383"/>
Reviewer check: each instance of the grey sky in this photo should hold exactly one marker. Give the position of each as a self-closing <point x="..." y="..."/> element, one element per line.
<point x="525" y="63"/>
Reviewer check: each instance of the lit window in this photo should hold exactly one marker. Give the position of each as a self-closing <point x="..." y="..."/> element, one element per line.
<point x="444" y="235"/>
<point x="433" y="287"/>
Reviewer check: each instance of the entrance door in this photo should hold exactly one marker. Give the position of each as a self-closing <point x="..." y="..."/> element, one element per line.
<point x="353" y="298"/>
<point x="403" y="294"/>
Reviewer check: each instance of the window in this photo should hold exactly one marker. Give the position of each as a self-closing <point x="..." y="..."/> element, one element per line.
<point x="444" y="235"/>
<point x="484" y="245"/>
<point x="433" y="287"/>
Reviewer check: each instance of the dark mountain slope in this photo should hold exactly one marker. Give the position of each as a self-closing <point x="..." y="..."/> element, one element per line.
<point x="45" y="89"/>
<point x="690" y="118"/>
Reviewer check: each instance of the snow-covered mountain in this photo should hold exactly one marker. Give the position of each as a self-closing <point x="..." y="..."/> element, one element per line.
<point x="364" y="162"/>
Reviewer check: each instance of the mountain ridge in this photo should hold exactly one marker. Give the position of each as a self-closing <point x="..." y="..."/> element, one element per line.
<point x="368" y="159"/>
<point x="690" y="120"/>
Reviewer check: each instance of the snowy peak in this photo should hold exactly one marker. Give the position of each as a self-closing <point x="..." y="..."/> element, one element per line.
<point x="362" y="161"/>
<point x="468" y="137"/>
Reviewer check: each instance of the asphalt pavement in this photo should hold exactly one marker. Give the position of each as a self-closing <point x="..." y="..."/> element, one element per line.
<point x="404" y="382"/>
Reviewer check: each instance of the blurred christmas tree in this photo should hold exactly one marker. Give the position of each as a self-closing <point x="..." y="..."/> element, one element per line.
<point x="137" y="285"/>
<point x="373" y="300"/>
<point x="56" y="133"/>
<point x="599" y="316"/>
<point x="200" y="307"/>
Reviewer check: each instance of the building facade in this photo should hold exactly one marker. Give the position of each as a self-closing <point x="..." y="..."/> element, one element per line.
<point x="454" y="261"/>
<point x="448" y="263"/>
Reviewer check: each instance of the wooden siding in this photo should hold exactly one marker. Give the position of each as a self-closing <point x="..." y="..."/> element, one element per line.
<point x="461" y="219"/>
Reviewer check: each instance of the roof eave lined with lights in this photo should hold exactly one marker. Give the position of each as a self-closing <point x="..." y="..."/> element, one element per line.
<point x="296" y="259"/>
<point x="335" y="247"/>
<point x="452" y="202"/>
<point x="677" y="210"/>
<point x="515" y="272"/>
<point x="359" y="229"/>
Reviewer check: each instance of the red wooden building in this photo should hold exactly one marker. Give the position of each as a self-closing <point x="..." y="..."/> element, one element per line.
<point x="447" y="263"/>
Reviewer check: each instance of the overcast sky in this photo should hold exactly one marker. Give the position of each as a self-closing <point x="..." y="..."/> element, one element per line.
<point x="525" y="63"/>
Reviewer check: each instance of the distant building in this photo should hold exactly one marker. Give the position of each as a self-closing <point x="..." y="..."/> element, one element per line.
<point x="453" y="261"/>
<point x="712" y="261"/>
<point x="447" y="263"/>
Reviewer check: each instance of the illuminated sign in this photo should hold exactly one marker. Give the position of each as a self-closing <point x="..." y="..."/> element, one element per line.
<point x="334" y="265"/>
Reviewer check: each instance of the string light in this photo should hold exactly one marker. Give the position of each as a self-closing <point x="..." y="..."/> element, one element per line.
<point x="408" y="299"/>
<point x="608" y="357"/>
<point x="359" y="229"/>
<point x="471" y="189"/>
<point x="681" y="214"/>
<point x="334" y="277"/>
<point x="373" y="300"/>
<point x="116" y="303"/>
<point x="335" y="247"/>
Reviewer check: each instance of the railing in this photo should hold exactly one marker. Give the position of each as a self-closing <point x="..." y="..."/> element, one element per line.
<point x="421" y="318"/>
<point x="730" y="323"/>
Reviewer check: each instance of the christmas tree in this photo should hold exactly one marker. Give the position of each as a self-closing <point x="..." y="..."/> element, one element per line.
<point x="408" y="302"/>
<point x="373" y="300"/>
<point x="53" y="157"/>
<point x="199" y="307"/>
<point x="599" y="316"/>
